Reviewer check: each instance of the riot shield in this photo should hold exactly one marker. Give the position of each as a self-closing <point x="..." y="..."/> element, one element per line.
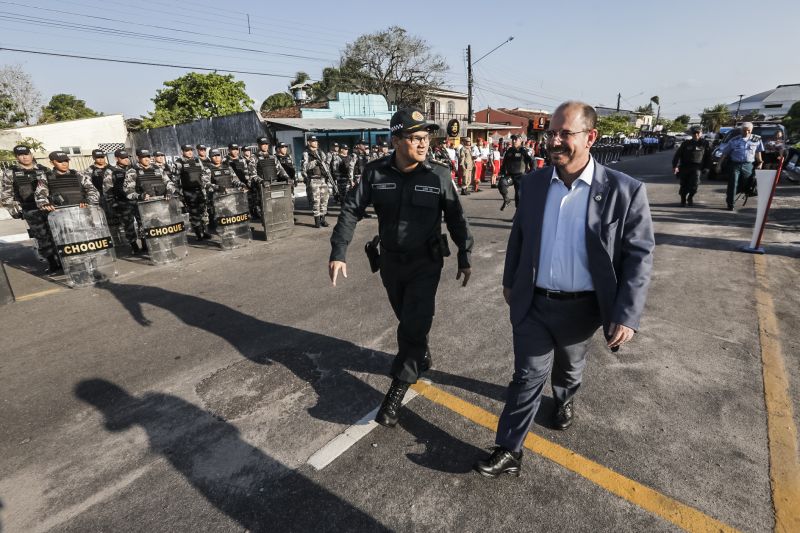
<point x="164" y="230"/>
<point x="277" y="210"/>
<point x="233" y="219"/>
<point x="84" y="244"/>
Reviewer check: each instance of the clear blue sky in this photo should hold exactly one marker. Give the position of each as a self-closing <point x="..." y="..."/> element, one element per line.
<point x="691" y="54"/>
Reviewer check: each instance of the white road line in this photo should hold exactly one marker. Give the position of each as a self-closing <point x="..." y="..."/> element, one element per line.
<point x="341" y="443"/>
<point x="19" y="237"/>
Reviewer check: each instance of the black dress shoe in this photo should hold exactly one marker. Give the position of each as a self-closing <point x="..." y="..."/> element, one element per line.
<point x="501" y="461"/>
<point x="426" y="363"/>
<point x="564" y="416"/>
<point x="388" y="413"/>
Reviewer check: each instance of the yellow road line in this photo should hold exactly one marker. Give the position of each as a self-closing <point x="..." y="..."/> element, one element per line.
<point x="667" y="508"/>
<point x="784" y="468"/>
<point x="39" y="294"/>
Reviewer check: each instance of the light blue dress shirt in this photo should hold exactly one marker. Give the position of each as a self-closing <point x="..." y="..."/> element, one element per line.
<point x="743" y="150"/>
<point x="563" y="259"/>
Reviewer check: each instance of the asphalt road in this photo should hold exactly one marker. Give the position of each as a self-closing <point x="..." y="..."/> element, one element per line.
<point x="190" y="397"/>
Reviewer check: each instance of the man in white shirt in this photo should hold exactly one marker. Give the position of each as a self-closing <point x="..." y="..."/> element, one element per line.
<point x="579" y="257"/>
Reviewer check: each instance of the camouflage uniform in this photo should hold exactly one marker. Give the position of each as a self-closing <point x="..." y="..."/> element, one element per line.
<point x="342" y="170"/>
<point x="287" y="164"/>
<point x="17" y="195"/>
<point x="139" y="186"/>
<point x="242" y="169"/>
<point x="257" y="172"/>
<point x="194" y="179"/>
<point x="315" y="170"/>
<point x="97" y="175"/>
<point x="466" y="163"/>
<point x="117" y="187"/>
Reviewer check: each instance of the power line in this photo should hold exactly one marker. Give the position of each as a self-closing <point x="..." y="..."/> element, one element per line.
<point x="138" y="35"/>
<point x="146" y="63"/>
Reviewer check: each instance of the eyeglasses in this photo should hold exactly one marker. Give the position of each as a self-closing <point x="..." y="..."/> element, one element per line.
<point x="416" y="140"/>
<point x="561" y="134"/>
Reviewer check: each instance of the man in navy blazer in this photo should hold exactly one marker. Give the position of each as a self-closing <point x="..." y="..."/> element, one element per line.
<point x="579" y="257"/>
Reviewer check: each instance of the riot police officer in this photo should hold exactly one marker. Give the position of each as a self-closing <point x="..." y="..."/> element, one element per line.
<point x="691" y="158"/>
<point x="160" y="160"/>
<point x="17" y="195"/>
<point x="122" y="178"/>
<point x="410" y="194"/>
<point x="360" y="160"/>
<point x="287" y="164"/>
<point x="202" y="154"/>
<point x="242" y="170"/>
<point x="193" y="179"/>
<point x="221" y="176"/>
<point x="342" y="170"/>
<point x="63" y="186"/>
<point x="315" y="170"/>
<point x="517" y="162"/>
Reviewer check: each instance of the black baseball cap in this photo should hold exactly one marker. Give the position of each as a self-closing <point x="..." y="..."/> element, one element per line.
<point x="214" y="152"/>
<point x="21" y="149"/>
<point x="97" y="154"/>
<point x="121" y="154"/>
<point x="262" y="140"/>
<point x="187" y="147"/>
<point x="696" y="129"/>
<point x="283" y="145"/>
<point x="343" y="147"/>
<point x="157" y="153"/>
<point x="361" y="141"/>
<point x="143" y="153"/>
<point x="313" y="138"/>
<point x="384" y="144"/>
<point x="514" y="137"/>
<point x="59" y="156"/>
<point x="336" y="144"/>
<point x="201" y="147"/>
<point x="233" y="146"/>
<point x="410" y="119"/>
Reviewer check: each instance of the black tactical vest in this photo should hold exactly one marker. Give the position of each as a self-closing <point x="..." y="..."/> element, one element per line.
<point x="65" y="189"/>
<point x="693" y="153"/>
<point x="149" y="182"/>
<point x="222" y="176"/>
<point x="238" y="166"/>
<point x="191" y="174"/>
<point x="266" y="168"/>
<point x="97" y="176"/>
<point x="118" y="183"/>
<point x="316" y="172"/>
<point x="516" y="161"/>
<point x="287" y="164"/>
<point x="25" y="184"/>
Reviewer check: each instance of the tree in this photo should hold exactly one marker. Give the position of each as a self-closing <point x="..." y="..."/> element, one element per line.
<point x="30" y="142"/>
<point x="10" y="117"/>
<point x="17" y="84"/>
<point x="714" y="117"/>
<point x="614" y="124"/>
<point x="334" y="80"/>
<point x="299" y="77"/>
<point x="792" y="119"/>
<point x="195" y="96"/>
<point x="277" y="101"/>
<point x="682" y="119"/>
<point x="65" y="107"/>
<point x="394" y="64"/>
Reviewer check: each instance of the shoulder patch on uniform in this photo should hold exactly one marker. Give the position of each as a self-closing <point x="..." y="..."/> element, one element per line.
<point x="425" y="188"/>
<point x="381" y="186"/>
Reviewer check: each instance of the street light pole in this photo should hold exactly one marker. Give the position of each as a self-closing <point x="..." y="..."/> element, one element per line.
<point x="737" y="109"/>
<point x="469" y="74"/>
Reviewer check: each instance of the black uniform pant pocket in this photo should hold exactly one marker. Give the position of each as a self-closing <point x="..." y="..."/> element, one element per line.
<point x="411" y="288"/>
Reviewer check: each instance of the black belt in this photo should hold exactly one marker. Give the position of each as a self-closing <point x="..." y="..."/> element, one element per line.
<point x="562" y="295"/>
<point x="406" y="257"/>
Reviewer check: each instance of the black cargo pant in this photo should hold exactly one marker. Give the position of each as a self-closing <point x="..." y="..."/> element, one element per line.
<point x="515" y="179"/>
<point x="411" y="281"/>
<point x="690" y="179"/>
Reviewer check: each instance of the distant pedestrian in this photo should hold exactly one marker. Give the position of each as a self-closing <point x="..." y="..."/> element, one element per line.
<point x="742" y="155"/>
<point x="691" y="158"/>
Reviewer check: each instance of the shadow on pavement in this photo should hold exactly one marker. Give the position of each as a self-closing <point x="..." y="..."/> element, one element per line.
<point x="240" y="480"/>
<point x="713" y="243"/>
<point x="324" y="362"/>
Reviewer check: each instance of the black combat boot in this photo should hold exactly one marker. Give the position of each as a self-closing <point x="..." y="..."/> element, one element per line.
<point x="427" y="362"/>
<point x="683" y="200"/>
<point x="388" y="413"/>
<point x="198" y="233"/>
<point x="690" y="200"/>
<point x="206" y="235"/>
<point x="53" y="264"/>
<point x="135" y="250"/>
<point x="323" y="222"/>
<point x="317" y="222"/>
<point x="144" y="246"/>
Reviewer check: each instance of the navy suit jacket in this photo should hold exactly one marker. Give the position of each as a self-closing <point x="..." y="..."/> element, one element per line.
<point x="619" y="244"/>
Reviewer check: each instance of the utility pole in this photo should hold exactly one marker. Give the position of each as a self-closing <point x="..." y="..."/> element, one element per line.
<point x="469" y="84"/>
<point x="737" y="109"/>
<point x="469" y="74"/>
<point x="619" y="96"/>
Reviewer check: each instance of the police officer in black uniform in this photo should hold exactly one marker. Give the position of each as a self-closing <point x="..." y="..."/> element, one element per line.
<point x="362" y="157"/>
<point x="516" y="163"/>
<point x="410" y="194"/>
<point x="691" y="158"/>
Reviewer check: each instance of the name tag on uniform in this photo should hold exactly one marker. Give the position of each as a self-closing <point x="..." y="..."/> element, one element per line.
<point x="425" y="188"/>
<point x="384" y="186"/>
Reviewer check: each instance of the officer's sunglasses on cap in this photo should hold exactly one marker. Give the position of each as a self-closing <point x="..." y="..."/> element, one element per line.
<point x="416" y="140"/>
